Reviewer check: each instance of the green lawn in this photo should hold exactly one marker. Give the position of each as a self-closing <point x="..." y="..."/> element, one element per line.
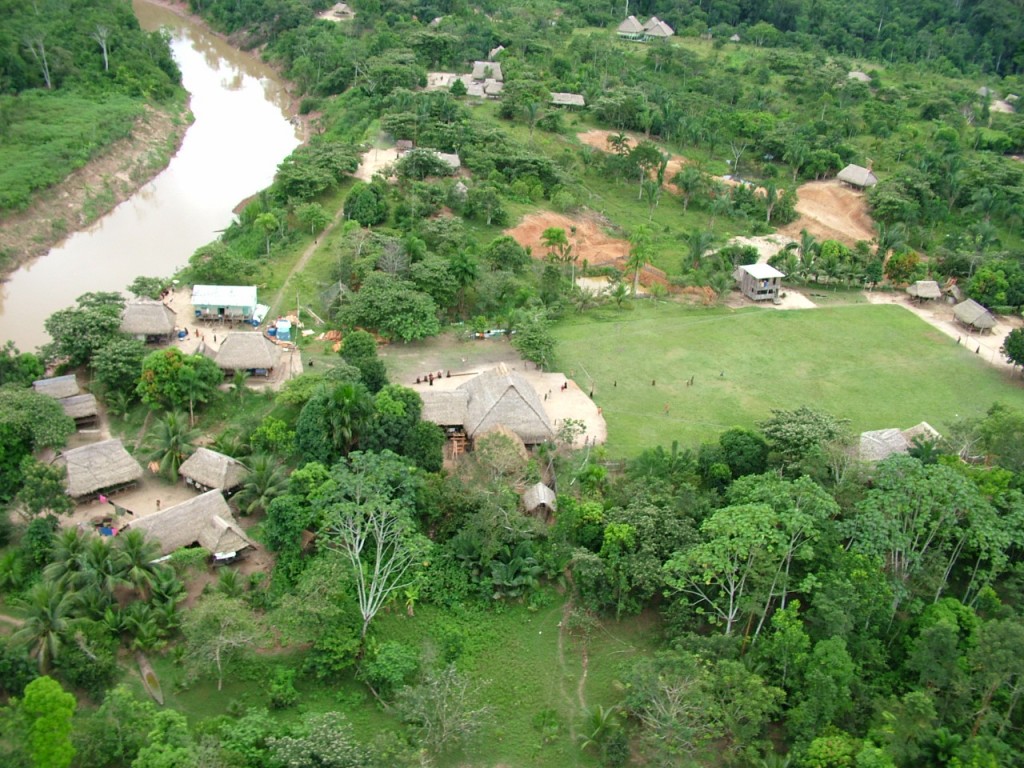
<point x="879" y="366"/>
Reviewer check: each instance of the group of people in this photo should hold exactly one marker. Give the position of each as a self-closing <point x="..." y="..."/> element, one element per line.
<point x="429" y="378"/>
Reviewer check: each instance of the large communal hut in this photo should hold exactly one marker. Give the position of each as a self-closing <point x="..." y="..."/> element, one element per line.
<point x="974" y="317"/>
<point x="247" y="351"/>
<point x="209" y="470"/>
<point x="100" y="467"/>
<point x="150" y="321"/>
<point x="204" y="521"/>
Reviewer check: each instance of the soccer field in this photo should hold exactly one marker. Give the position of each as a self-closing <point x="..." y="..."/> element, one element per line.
<point x="879" y="366"/>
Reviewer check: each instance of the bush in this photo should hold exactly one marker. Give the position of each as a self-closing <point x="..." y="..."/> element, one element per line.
<point x="282" y="689"/>
<point x="393" y="663"/>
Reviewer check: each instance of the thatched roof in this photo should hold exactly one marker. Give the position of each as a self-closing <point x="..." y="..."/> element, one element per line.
<point x="80" y="406"/>
<point x="205" y="520"/>
<point x="148" y="318"/>
<point x="985" y="92"/>
<point x="925" y="289"/>
<point x="860" y="77"/>
<point x="857" y="176"/>
<point x="243" y="350"/>
<point x="568" y="100"/>
<point x="451" y="159"/>
<point x="538" y="495"/>
<point x="734" y="38"/>
<point x="655" y="27"/>
<point x="922" y="429"/>
<point x="879" y="444"/>
<point x="494" y="52"/>
<point x="630" y="27"/>
<point x="95" y="467"/>
<point x="504" y="397"/>
<point x="58" y="387"/>
<point x="213" y="470"/>
<point x="493" y="88"/>
<point x="487" y="70"/>
<point x="446" y="409"/>
<point x="972" y="314"/>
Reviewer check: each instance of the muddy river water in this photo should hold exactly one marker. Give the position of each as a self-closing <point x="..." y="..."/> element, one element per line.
<point x="240" y="135"/>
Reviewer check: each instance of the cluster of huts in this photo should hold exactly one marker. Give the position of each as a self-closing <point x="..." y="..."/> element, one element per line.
<point x="80" y="406"/>
<point x="653" y="29"/>
<point x="968" y="313"/>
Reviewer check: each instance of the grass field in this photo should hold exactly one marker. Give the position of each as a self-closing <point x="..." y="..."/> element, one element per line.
<point x="879" y="366"/>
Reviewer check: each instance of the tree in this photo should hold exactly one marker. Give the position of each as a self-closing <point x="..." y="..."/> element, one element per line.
<point x="324" y="741"/>
<point x="170" y="441"/>
<point x="47" y="622"/>
<point x="170" y="744"/>
<point x="698" y="244"/>
<point x="368" y="519"/>
<point x="333" y="422"/>
<point x="393" y="307"/>
<point x="367" y="204"/>
<point x="21" y="368"/>
<point x="794" y="435"/>
<point x="484" y="202"/>
<point x="101" y="34"/>
<point x="46" y="710"/>
<point x="443" y="710"/>
<point x="216" y="630"/>
<point x="314" y="215"/>
<point x="504" y="253"/>
<point x="1013" y="347"/>
<point x="118" y="365"/>
<point x="78" y="333"/>
<point x="43" y="489"/>
<point x="265" y="481"/>
<point x="139" y="564"/>
<point x="639" y="253"/>
<point x="359" y="349"/>
<point x="171" y="379"/>
<point x="533" y="339"/>
<point x="690" y="181"/>
<point x="268" y="224"/>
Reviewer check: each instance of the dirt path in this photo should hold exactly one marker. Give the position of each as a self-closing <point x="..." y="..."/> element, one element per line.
<point x="831" y="211"/>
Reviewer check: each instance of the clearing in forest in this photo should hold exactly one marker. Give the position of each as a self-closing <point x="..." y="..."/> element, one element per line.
<point x="831" y="211"/>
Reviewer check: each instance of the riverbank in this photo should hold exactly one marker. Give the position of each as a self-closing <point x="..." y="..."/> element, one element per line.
<point x="95" y="189"/>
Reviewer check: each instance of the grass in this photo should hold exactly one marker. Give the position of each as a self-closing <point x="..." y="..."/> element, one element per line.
<point x="879" y="366"/>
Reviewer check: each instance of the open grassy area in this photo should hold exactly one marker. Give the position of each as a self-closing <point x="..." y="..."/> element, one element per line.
<point x="879" y="366"/>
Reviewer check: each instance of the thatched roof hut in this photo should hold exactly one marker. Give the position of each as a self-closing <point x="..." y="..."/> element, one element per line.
<point x="247" y="351"/>
<point x="81" y="408"/>
<point x="99" y="467"/>
<point x="925" y="289"/>
<point x="147" y="319"/>
<point x="204" y="521"/>
<point x="487" y="70"/>
<point x="493" y="53"/>
<point x="973" y="316"/>
<point x="630" y="28"/>
<point x="506" y="398"/>
<point x="858" y="76"/>
<point x="57" y="387"/>
<point x="880" y="444"/>
<point x="857" y="176"/>
<point x="539" y="499"/>
<point x="655" y="27"/>
<point x="568" y="100"/>
<point x="446" y="409"/>
<point x="210" y="470"/>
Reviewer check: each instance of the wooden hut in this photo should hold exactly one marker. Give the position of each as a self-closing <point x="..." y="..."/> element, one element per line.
<point x="83" y="409"/>
<point x="150" y="321"/>
<point x="656" y="29"/>
<point x="858" y="177"/>
<point x="247" y="351"/>
<point x="57" y="387"/>
<point x="759" y="282"/>
<point x="631" y="29"/>
<point x="101" y="467"/>
<point x="209" y="470"/>
<point x="204" y="521"/>
<point x="974" y="317"/>
<point x="487" y="70"/>
<point x="539" y="500"/>
<point x="568" y="100"/>
<point x="924" y="290"/>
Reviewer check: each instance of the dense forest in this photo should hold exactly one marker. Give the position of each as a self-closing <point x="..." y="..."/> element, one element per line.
<point x="761" y="597"/>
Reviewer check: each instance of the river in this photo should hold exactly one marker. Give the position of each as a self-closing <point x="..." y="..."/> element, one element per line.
<point x="240" y="135"/>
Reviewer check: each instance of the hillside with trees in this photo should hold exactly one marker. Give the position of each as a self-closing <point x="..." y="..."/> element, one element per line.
<point x="766" y="595"/>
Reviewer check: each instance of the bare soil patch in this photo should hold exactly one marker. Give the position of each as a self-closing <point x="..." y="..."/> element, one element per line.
<point x="118" y="173"/>
<point x="831" y="211"/>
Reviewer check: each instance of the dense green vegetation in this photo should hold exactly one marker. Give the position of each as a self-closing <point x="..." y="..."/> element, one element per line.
<point x="74" y="76"/>
<point x="736" y="588"/>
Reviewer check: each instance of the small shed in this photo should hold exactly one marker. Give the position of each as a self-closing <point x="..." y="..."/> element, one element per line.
<point x="487" y="70"/>
<point x="209" y="470"/>
<point x="105" y="466"/>
<point x="539" y="500"/>
<point x="245" y="351"/>
<point x="759" y="282"/>
<point x="858" y="177"/>
<point x="150" y="321"/>
<point x="974" y="317"/>
<point x="568" y="100"/>
<point x="82" y="408"/>
<point x="924" y="290"/>
<point x="734" y="38"/>
<point x="224" y="302"/>
<point x="631" y="29"/>
<point x="204" y="521"/>
<point x="57" y="387"/>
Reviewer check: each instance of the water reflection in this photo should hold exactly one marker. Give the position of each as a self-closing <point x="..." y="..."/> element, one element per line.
<point x="239" y="136"/>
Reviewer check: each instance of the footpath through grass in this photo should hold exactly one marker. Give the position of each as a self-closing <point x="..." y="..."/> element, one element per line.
<point x="879" y="366"/>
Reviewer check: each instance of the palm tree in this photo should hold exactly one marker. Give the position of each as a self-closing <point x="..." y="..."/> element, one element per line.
<point x="266" y="481"/>
<point x="47" y="622"/>
<point x="698" y="245"/>
<point x="171" y="442"/>
<point x="238" y="384"/>
<point x="101" y="567"/>
<point x="639" y="253"/>
<point x="229" y="583"/>
<point x="137" y="561"/>
<point x="690" y="182"/>
<point x="65" y="564"/>
<point x="350" y="408"/>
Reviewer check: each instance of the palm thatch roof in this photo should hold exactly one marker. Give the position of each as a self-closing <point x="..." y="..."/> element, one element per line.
<point x="973" y="315"/>
<point x="243" y="350"/>
<point x="493" y="53"/>
<point x="860" y="77"/>
<point x="857" y="176"/>
<point x="568" y="100"/>
<point x="631" y="26"/>
<point x="925" y="289"/>
<point x="655" y="27"/>
<point x="487" y="70"/>
<point x="97" y="467"/>
<point x="211" y="469"/>
<point x="921" y="429"/>
<point x="80" y="406"/>
<point x="57" y="387"/>
<point x="501" y="397"/>
<point x="879" y="444"/>
<point x="148" y="318"/>
<point x="446" y="409"/>
<point x="205" y="520"/>
<point x="537" y="496"/>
